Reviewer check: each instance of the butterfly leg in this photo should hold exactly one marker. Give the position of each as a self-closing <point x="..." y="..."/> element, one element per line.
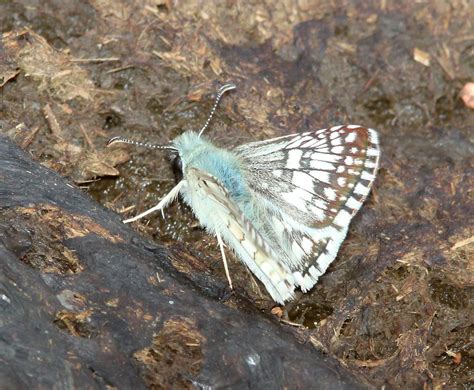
<point x="224" y="259"/>
<point x="163" y="202"/>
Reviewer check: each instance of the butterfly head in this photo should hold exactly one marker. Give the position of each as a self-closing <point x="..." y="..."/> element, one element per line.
<point x="182" y="150"/>
<point x="188" y="145"/>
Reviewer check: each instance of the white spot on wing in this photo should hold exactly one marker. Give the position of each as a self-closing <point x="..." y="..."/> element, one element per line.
<point x="353" y="203"/>
<point x="373" y="136"/>
<point x="307" y="245"/>
<point x="320" y="175"/>
<point x="303" y="194"/>
<point x="372" y="152"/>
<point x="337" y="149"/>
<point x="323" y="150"/>
<point x="296" y="202"/>
<point x="312" y="143"/>
<point x="294" y="157"/>
<point x="323" y="233"/>
<point x="298" y="251"/>
<point x="298" y="141"/>
<point x="330" y="193"/>
<point x="351" y="137"/>
<point x="308" y="282"/>
<point x="302" y="180"/>
<point x="324" y="260"/>
<point x="318" y="213"/>
<point x="319" y="203"/>
<point x="367" y="176"/>
<point x="333" y="244"/>
<point x="342" y="218"/>
<point x="325" y="157"/>
<point x="294" y="142"/>
<point x="361" y="189"/>
<point x="298" y="278"/>
<point x="313" y="271"/>
<point x="341" y="181"/>
<point x="305" y="282"/>
<point x="322" y="165"/>
<point x="294" y="199"/>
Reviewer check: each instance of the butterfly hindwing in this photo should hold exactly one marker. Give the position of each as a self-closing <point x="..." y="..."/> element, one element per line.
<point x="240" y="233"/>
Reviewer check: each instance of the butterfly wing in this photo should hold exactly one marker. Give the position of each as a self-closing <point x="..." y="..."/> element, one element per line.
<point x="306" y="188"/>
<point x="216" y="210"/>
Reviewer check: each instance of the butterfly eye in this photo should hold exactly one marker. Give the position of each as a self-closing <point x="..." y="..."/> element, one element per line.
<point x="177" y="166"/>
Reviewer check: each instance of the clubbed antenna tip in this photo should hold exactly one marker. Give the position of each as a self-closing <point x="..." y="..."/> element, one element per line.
<point x="226" y="87"/>
<point x="220" y="92"/>
<point x="115" y="140"/>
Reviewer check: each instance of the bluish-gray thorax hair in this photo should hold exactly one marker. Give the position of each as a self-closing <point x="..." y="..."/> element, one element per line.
<point x="200" y="153"/>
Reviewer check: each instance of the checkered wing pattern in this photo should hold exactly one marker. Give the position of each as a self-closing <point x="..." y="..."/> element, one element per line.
<point x="307" y="186"/>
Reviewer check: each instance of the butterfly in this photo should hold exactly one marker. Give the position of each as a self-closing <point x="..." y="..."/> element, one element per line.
<point x="283" y="205"/>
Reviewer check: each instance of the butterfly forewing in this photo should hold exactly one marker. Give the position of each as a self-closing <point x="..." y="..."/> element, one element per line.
<point x="309" y="187"/>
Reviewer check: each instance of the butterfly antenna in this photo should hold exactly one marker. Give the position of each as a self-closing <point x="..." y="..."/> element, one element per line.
<point x="220" y="92"/>
<point x="116" y="140"/>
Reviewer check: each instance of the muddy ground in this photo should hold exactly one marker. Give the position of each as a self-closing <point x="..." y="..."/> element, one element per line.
<point x="396" y="305"/>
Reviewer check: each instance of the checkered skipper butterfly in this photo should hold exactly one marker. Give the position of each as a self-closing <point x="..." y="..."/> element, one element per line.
<point x="284" y="205"/>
